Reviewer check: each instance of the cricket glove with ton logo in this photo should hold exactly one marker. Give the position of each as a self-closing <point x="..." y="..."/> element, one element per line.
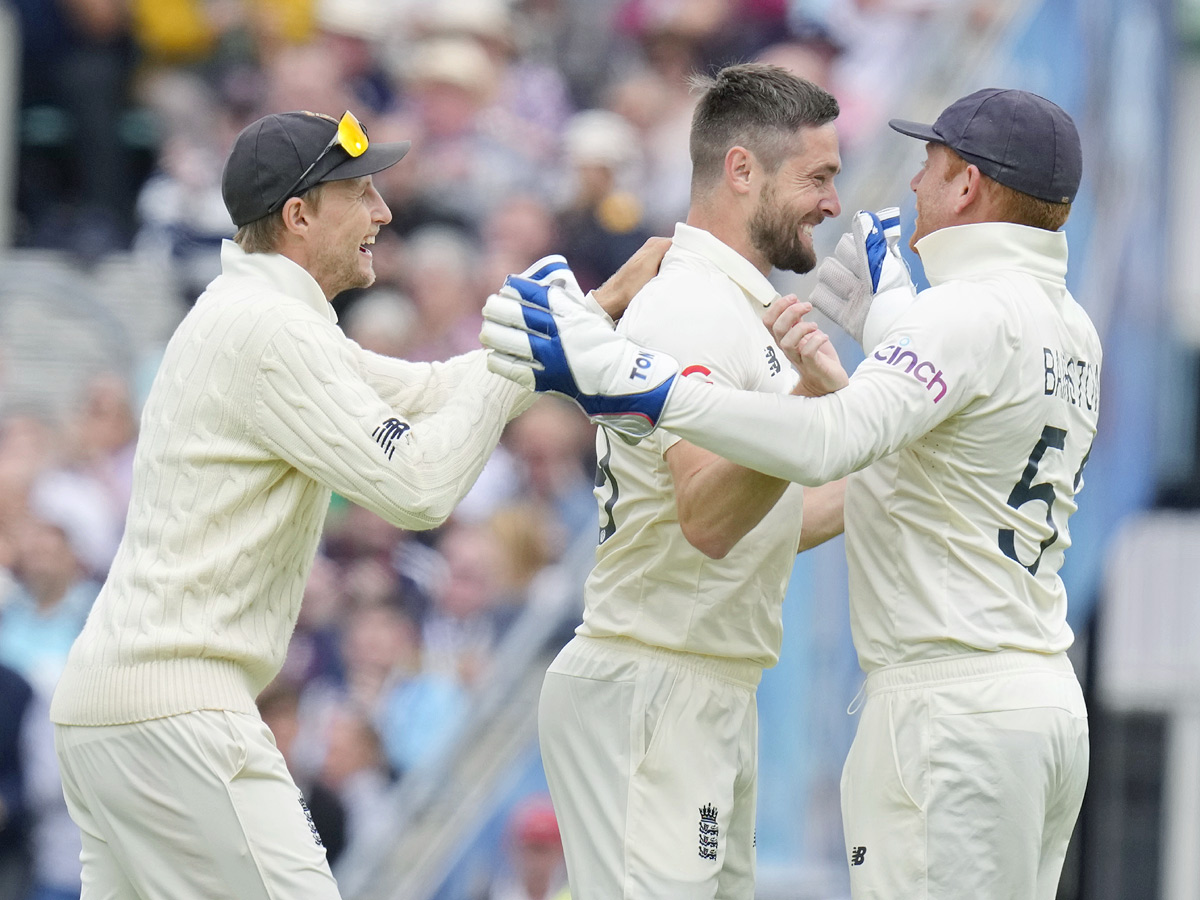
<point x="546" y="335"/>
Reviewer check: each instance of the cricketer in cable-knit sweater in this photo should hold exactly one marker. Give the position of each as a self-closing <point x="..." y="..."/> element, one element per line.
<point x="263" y="406"/>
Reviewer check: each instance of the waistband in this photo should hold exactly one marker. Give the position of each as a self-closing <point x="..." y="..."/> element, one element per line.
<point x="743" y="672"/>
<point x="968" y="667"/>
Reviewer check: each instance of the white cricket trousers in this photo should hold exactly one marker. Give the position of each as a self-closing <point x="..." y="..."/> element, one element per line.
<point x="651" y="757"/>
<point x="198" y="806"/>
<point x="965" y="778"/>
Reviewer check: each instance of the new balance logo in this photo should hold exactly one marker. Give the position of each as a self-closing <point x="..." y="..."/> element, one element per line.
<point x="709" y="831"/>
<point x="386" y="434"/>
<point x="773" y="361"/>
<point x="858" y="855"/>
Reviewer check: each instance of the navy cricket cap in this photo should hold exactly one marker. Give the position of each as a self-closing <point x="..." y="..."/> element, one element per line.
<point x="272" y="152"/>
<point x="1023" y="141"/>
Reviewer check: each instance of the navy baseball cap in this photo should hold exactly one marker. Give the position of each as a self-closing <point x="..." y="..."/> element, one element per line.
<point x="1023" y="141"/>
<point x="271" y="160"/>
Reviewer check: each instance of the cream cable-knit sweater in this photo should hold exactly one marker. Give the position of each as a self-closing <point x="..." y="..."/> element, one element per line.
<point x="261" y="407"/>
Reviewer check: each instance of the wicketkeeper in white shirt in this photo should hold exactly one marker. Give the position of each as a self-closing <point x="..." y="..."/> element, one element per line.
<point x="648" y="721"/>
<point x="261" y="407"/>
<point x="964" y="433"/>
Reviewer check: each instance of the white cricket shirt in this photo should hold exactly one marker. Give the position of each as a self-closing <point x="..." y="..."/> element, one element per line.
<point x="705" y="307"/>
<point x="968" y="428"/>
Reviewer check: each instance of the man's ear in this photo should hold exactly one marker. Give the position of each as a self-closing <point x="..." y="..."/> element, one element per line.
<point x="970" y="188"/>
<point x="739" y="169"/>
<point x="295" y="214"/>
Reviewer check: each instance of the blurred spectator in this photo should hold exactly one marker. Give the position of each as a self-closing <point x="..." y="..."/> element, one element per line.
<point x="55" y="837"/>
<point x="356" y="535"/>
<point x="217" y="36"/>
<point x="470" y="612"/>
<point x="77" y="178"/>
<point x="60" y="543"/>
<point x="279" y="706"/>
<point x="313" y="652"/>
<point x="180" y="213"/>
<point x="441" y="280"/>
<point x="466" y="166"/>
<point x="354" y="32"/>
<point x="356" y="770"/>
<point x="417" y="713"/>
<point x="577" y="39"/>
<point x="533" y="866"/>
<point x="103" y="436"/>
<point x="65" y="537"/>
<point x="876" y="37"/>
<point x="531" y="101"/>
<point x="380" y="321"/>
<point x="528" y="543"/>
<point x="698" y="35"/>
<point x="29" y="444"/>
<point x="809" y="51"/>
<point x="553" y="448"/>
<point x="601" y="223"/>
<point x="659" y="106"/>
<point x="305" y="76"/>
<point x="15" y="855"/>
<point x="421" y="712"/>
<point x="517" y="234"/>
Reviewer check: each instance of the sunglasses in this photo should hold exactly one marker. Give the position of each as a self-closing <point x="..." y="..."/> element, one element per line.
<point x="351" y="136"/>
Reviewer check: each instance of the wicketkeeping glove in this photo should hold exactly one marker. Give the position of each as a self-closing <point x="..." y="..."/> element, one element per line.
<point x="865" y="271"/>
<point x="546" y="335"/>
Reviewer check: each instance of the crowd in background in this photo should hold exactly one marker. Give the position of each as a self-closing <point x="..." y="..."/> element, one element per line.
<point x="537" y="126"/>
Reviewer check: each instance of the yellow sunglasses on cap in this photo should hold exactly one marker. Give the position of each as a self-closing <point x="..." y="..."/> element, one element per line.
<point x="351" y="136"/>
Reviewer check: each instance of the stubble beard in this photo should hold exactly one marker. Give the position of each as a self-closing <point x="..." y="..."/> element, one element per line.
<point x="345" y="272"/>
<point x="776" y="235"/>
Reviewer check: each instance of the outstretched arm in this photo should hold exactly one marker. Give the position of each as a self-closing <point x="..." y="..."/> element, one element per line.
<point x="548" y="338"/>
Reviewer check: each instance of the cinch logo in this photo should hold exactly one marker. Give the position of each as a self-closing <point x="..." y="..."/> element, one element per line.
<point x="922" y="370"/>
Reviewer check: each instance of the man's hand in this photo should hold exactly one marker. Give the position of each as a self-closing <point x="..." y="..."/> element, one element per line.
<point x="806" y="347"/>
<point x="615" y="295"/>
<point x="545" y="335"/>
<point x="866" y="263"/>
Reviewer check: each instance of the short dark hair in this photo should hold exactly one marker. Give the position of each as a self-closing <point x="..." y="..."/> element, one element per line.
<point x="756" y="106"/>
<point x="262" y="235"/>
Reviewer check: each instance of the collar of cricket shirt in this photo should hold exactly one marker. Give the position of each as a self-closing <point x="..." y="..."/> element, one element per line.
<point x="967" y="251"/>
<point x="285" y="276"/>
<point x="731" y="263"/>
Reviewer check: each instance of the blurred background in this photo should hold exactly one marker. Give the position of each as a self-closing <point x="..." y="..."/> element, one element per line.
<point x="407" y="705"/>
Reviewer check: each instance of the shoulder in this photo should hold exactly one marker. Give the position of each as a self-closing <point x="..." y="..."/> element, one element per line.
<point x="967" y="315"/>
<point x="682" y="296"/>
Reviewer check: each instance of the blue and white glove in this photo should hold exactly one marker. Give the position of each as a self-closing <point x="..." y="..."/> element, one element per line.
<point x="866" y="284"/>
<point x="546" y="335"/>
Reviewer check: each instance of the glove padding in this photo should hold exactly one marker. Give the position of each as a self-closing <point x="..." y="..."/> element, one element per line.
<point x="544" y="333"/>
<point x="866" y="284"/>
